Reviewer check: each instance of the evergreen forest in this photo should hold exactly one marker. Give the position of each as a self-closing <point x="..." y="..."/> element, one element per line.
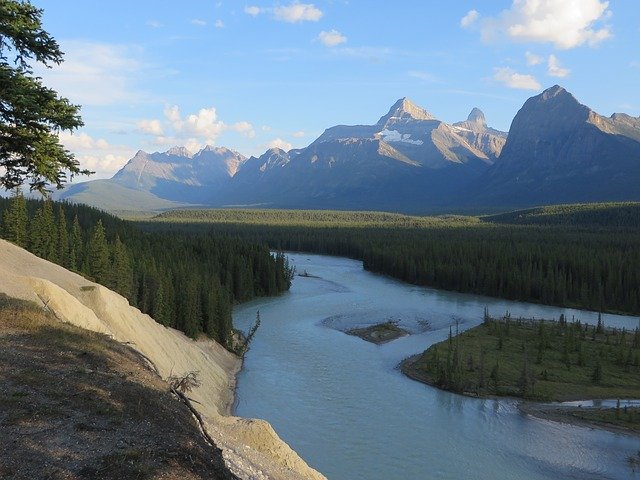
<point x="183" y="281"/>
<point x="576" y="260"/>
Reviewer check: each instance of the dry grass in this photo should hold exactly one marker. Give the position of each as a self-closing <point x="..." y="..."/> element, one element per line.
<point x="76" y="404"/>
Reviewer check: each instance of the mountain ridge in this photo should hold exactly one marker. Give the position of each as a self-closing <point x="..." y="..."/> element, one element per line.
<point x="407" y="161"/>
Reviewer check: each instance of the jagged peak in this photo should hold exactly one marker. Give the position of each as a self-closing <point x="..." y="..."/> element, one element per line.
<point x="553" y="92"/>
<point x="405" y="109"/>
<point x="179" y="152"/>
<point x="476" y="116"/>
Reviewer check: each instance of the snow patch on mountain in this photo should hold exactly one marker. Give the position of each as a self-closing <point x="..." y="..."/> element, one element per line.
<point x="396" y="136"/>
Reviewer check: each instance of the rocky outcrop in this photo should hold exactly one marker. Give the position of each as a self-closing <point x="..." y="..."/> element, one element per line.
<point x="486" y="139"/>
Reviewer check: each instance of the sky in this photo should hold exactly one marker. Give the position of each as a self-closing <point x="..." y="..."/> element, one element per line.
<point x="253" y="75"/>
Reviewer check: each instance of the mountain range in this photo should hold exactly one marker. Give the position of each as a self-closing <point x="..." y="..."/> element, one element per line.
<point x="557" y="150"/>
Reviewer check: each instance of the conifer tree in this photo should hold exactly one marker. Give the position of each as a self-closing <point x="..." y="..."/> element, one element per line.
<point x="121" y="271"/>
<point x="16" y="220"/>
<point x="63" y="239"/>
<point x="76" y="245"/>
<point x="98" y="255"/>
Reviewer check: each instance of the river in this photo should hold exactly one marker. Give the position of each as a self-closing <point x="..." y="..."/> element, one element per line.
<point x="341" y="403"/>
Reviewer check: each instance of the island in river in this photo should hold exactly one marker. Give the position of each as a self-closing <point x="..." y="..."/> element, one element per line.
<point x="379" y="333"/>
<point x="540" y="361"/>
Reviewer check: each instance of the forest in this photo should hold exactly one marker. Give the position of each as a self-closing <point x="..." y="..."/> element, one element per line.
<point x="578" y="261"/>
<point x="183" y="281"/>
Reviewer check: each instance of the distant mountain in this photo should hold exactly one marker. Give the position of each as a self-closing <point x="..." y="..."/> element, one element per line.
<point x="560" y="151"/>
<point x="557" y="151"/>
<point x="405" y="161"/>
<point x="162" y="180"/>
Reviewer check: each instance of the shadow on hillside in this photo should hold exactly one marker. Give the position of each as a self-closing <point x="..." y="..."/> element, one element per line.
<point x="77" y="405"/>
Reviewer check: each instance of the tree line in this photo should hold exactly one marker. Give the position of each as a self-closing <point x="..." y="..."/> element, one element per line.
<point x="591" y="268"/>
<point x="183" y="281"/>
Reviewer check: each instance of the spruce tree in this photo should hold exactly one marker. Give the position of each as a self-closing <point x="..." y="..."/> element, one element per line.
<point x="98" y="255"/>
<point x="16" y="220"/>
<point x="63" y="239"/>
<point x="76" y="245"/>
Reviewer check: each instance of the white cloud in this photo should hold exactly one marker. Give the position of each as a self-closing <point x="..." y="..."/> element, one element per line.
<point x="253" y="11"/>
<point x="154" y="24"/>
<point x="265" y="128"/>
<point x="198" y="22"/>
<point x="564" y="23"/>
<point x="192" y="131"/>
<point x="469" y="18"/>
<point x="513" y="79"/>
<point x="95" y="74"/>
<point x="297" y="12"/>
<point x="219" y="24"/>
<point x="96" y="154"/>
<point x="331" y="38"/>
<point x="245" y="128"/>
<point x="203" y="124"/>
<point x="278" y="143"/>
<point x="152" y="127"/>
<point x="298" y="134"/>
<point x="533" y="59"/>
<point x="554" y="69"/>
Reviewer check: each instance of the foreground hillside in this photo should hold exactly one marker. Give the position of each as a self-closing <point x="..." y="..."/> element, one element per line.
<point x="77" y="404"/>
<point x="251" y="449"/>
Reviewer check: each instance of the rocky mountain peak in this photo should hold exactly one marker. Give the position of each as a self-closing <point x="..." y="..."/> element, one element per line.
<point x="404" y="110"/>
<point x="477" y="116"/>
<point x="179" y="152"/>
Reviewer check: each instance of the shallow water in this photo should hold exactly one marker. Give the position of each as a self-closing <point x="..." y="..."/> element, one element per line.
<point x="343" y="406"/>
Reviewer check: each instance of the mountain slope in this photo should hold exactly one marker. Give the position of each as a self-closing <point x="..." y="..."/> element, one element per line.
<point x="560" y="151"/>
<point x="162" y="180"/>
<point x="407" y="161"/>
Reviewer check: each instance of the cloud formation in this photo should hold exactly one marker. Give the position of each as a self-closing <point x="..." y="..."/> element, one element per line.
<point x="512" y="79"/>
<point x="97" y="155"/>
<point x="331" y="38"/>
<point x="95" y="74"/>
<point x="554" y="69"/>
<point x="192" y="131"/>
<point x="278" y="143"/>
<point x="564" y="23"/>
<point x="533" y="59"/>
<point x="469" y="18"/>
<point x="293" y="13"/>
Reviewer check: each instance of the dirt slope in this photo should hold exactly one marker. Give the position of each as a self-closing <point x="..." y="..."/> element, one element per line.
<point x="250" y="447"/>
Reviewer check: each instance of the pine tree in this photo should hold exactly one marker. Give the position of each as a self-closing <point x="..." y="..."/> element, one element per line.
<point x="16" y="220"/>
<point x="121" y="271"/>
<point x="98" y="255"/>
<point x="76" y="245"/>
<point x="63" y="239"/>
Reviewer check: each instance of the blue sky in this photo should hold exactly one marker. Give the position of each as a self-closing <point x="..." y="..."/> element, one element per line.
<point x="256" y="74"/>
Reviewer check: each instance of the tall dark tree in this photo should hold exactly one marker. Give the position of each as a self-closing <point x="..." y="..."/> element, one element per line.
<point x="98" y="254"/>
<point x="76" y="245"/>
<point x="31" y="115"/>
<point x="16" y="220"/>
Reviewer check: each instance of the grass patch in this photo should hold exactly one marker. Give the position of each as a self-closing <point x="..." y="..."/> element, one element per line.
<point x="534" y="359"/>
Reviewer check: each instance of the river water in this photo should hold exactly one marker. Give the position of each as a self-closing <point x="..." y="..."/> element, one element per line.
<point x="341" y="403"/>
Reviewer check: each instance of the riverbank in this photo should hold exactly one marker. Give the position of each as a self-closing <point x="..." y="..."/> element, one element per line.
<point x="538" y="362"/>
<point x="251" y="448"/>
